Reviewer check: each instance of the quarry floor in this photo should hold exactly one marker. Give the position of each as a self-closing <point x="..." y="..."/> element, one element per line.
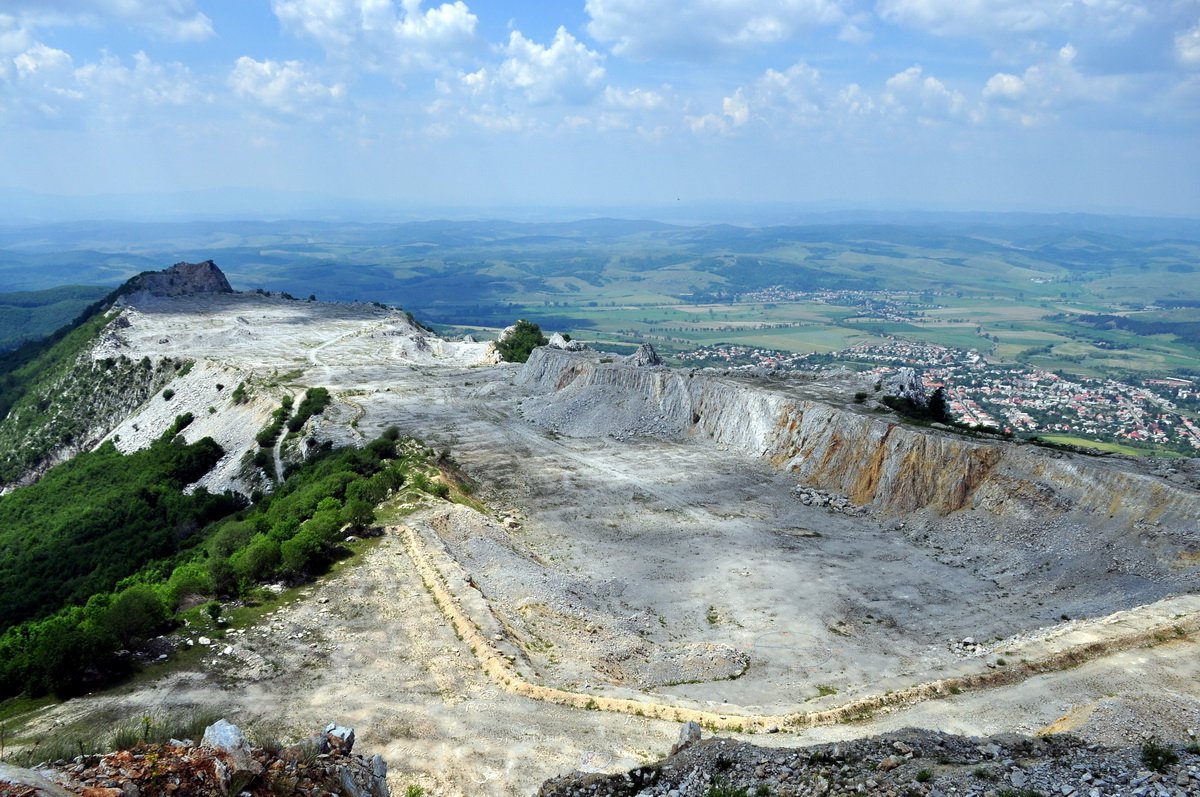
<point x="644" y="569"/>
<point x="367" y="647"/>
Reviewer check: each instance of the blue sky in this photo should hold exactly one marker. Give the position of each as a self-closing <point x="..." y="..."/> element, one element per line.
<point x="927" y="104"/>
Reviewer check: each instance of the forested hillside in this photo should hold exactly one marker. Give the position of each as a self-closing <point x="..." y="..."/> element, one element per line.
<point x="32" y="315"/>
<point x="106" y="549"/>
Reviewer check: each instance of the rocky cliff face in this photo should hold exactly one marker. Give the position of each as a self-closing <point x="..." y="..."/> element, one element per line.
<point x="182" y="279"/>
<point x="811" y="428"/>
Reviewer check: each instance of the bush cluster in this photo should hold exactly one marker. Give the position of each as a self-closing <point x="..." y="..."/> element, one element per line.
<point x="267" y="436"/>
<point x="101" y="553"/>
<point x="314" y="403"/>
<point x="517" y="345"/>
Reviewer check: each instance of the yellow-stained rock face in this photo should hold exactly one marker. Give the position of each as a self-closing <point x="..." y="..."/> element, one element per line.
<point x="801" y="426"/>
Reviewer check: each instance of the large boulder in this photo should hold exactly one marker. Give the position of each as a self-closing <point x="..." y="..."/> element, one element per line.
<point x="557" y="341"/>
<point x="237" y="766"/>
<point x="340" y="738"/>
<point x="17" y="780"/>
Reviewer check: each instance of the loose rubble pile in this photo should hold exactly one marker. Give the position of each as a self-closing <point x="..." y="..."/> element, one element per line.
<point x="969" y="646"/>
<point x="811" y="496"/>
<point x="224" y="763"/>
<point x="909" y="762"/>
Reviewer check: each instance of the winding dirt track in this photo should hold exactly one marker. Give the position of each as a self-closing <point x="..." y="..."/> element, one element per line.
<point x="1142" y="627"/>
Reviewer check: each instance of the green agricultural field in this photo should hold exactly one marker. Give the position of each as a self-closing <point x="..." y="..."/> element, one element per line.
<point x="1101" y="445"/>
<point x="1017" y="289"/>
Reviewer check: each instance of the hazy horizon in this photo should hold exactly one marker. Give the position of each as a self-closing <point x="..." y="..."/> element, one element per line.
<point x="23" y="209"/>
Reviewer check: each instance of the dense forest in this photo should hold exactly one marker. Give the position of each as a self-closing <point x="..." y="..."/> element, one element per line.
<point x="120" y="525"/>
<point x="97" y="518"/>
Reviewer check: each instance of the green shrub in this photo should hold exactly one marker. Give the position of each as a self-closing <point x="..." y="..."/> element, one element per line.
<point x="517" y="345"/>
<point x="267" y="436"/>
<point x="223" y="576"/>
<point x="231" y="536"/>
<point x="720" y="789"/>
<point x="97" y="518"/>
<point x="359" y="513"/>
<point x="191" y="578"/>
<point x="256" y="561"/>
<point x="181" y="422"/>
<point x="1157" y="756"/>
<point x="301" y="552"/>
<point x="314" y="403"/>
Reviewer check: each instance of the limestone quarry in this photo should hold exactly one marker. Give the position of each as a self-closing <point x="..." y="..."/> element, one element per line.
<point x="761" y="555"/>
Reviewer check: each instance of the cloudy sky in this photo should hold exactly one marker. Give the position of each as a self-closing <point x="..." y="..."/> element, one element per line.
<point x="927" y="104"/>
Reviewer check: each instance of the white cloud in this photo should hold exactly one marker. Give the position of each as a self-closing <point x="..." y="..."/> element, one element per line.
<point x="172" y="19"/>
<point x="499" y="120"/>
<point x="925" y="95"/>
<point x="450" y="26"/>
<point x="286" y="86"/>
<point x="13" y="37"/>
<point x="736" y="109"/>
<point x="987" y="18"/>
<point x="39" y="61"/>
<point x="564" y="71"/>
<point x="46" y="84"/>
<point x="146" y="81"/>
<point x="855" y="102"/>
<point x="797" y="91"/>
<point x="702" y="29"/>
<point x="1004" y="86"/>
<point x="1044" y="90"/>
<point x="530" y="85"/>
<point x="380" y="33"/>
<point x="1187" y="46"/>
<point x="793" y="97"/>
<point x="634" y="99"/>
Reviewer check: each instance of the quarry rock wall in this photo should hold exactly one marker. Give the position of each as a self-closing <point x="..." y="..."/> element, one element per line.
<point x="872" y="459"/>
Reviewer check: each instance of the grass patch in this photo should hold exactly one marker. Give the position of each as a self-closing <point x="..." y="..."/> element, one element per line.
<point x="102" y="734"/>
<point x="1107" y="447"/>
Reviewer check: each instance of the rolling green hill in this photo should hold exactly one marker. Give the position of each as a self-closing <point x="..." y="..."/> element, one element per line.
<point x="30" y="315"/>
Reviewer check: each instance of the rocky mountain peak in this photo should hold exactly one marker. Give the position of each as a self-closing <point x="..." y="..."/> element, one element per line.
<point x="182" y="279"/>
<point x="906" y="383"/>
<point x="644" y="357"/>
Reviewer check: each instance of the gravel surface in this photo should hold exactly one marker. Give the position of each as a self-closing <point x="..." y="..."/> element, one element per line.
<point x="909" y="763"/>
